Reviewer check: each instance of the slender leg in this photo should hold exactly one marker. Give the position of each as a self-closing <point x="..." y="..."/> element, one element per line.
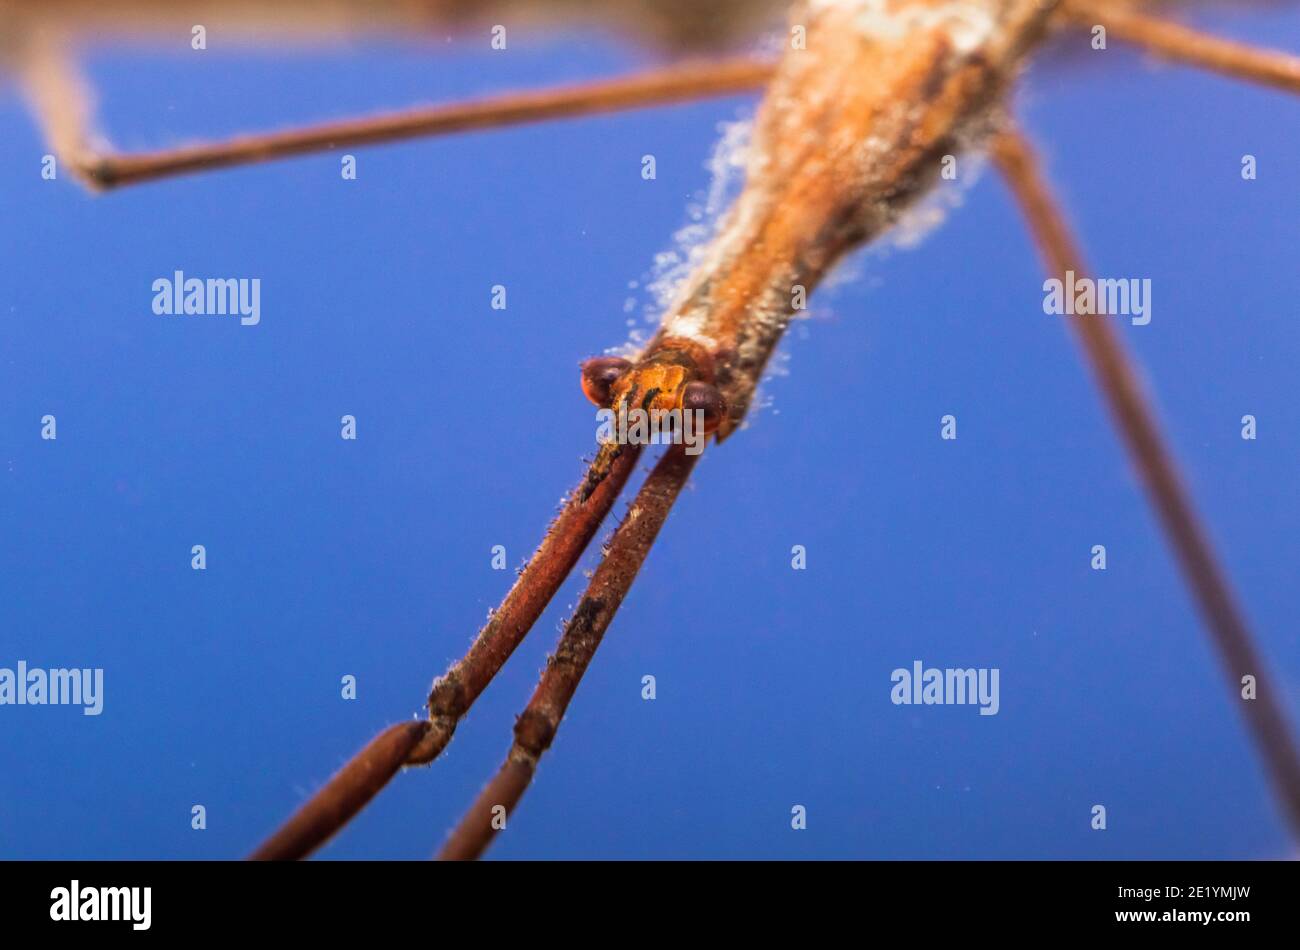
<point x="536" y="727"/>
<point x="655" y="87"/>
<point x="57" y="95"/>
<point x="1185" y="45"/>
<point x="345" y="794"/>
<point x="419" y="743"/>
<point x="455" y="691"/>
<point x="1141" y="434"/>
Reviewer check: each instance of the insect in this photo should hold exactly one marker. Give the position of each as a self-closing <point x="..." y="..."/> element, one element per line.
<point x="856" y="122"/>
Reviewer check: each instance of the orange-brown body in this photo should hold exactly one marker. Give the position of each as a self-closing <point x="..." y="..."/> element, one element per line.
<point x="854" y="127"/>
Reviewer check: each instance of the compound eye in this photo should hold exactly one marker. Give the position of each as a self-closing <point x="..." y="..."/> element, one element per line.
<point x="599" y="375"/>
<point x="706" y="398"/>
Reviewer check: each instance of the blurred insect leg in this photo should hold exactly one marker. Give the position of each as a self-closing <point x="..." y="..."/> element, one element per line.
<point x="1182" y="44"/>
<point x="678" y="83"/>
<point x="60" y="99"/>
<point x="1128" y="404"/>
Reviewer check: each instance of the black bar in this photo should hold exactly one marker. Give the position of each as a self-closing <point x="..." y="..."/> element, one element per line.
<point x="332" y="900"/>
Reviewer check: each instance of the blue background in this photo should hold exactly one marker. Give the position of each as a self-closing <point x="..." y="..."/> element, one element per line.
<point x="372" y="557"/>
